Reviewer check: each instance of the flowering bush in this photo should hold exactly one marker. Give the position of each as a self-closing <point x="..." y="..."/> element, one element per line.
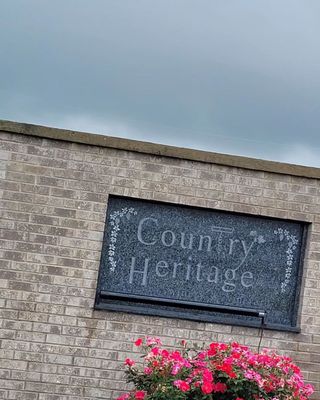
<point x="221" y="371"/>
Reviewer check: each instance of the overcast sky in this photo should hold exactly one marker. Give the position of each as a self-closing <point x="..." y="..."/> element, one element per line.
<point x="232" y="76"/>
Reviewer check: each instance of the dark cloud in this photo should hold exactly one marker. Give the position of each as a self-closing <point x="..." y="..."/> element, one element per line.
<point x="238" y="76"/>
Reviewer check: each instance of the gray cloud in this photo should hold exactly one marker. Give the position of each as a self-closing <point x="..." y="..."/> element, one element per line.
<point x="239" y="77"/>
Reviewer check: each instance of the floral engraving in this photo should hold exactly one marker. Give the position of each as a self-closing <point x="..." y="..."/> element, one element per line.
<point x="292" y="240"/>
<point x="256" y="238"/>
<point x="115" y="218"/>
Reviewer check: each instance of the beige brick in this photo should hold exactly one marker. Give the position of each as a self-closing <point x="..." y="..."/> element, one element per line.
<point x="11" y="384"/>
<point x="23" y="395"/>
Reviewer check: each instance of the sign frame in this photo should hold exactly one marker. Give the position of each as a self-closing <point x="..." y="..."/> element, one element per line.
<point x="189" y="310"/>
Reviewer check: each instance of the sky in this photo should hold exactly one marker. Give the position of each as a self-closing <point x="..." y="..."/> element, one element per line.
<point x="229" y="76"/>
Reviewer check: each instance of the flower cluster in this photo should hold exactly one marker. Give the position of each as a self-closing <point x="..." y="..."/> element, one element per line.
<point x="220" y="371"/>
<point x="115" y="218"/>
<point x="292" y="245"/>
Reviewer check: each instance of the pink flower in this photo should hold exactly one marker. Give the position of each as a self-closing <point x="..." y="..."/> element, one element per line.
<point x="155" y="351"/>
<point x="153" y="340"/>
<point x="148" y="371"/>
<point x="308" y="389"/>
<point x="140" y="395"/>
<point x="226" y="367"/>
<point x="175" y="355"/>
<point x="138" y="342"/>
<point x="182" y="385"/>
<point x="165" y="353"/>
<point x="252" y="375"/>
<point x="175" y="369"/>
<point x="202" y="355"/>
<point x="129" y="362"/>
<point x="200" y="363"/>
<point x="207" y="375"/>
<point x="207" y="387"/>
<point x="219" y="387"/>
<point x="124" y="397"/>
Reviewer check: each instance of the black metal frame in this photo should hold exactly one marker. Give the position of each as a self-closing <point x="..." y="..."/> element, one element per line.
<point x="135" y="304"/>
<point x="250" y="312"/>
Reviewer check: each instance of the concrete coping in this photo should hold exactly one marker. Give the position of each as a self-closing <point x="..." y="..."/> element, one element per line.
<point x="159" y="149"/>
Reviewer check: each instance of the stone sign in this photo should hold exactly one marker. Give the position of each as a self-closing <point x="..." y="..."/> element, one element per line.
<point x="202" y="264"/>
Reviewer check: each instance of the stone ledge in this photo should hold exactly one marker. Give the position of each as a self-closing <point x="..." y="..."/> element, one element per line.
<point x="159" y="149"/>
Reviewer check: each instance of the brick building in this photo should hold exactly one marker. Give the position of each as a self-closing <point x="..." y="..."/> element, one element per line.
<point x="54" y="191"/>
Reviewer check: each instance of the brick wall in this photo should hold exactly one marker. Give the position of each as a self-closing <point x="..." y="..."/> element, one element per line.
<point x="53" y="345"/>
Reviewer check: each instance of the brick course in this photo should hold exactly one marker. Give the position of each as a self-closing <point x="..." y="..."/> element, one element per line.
<point x="53" y="344"/>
